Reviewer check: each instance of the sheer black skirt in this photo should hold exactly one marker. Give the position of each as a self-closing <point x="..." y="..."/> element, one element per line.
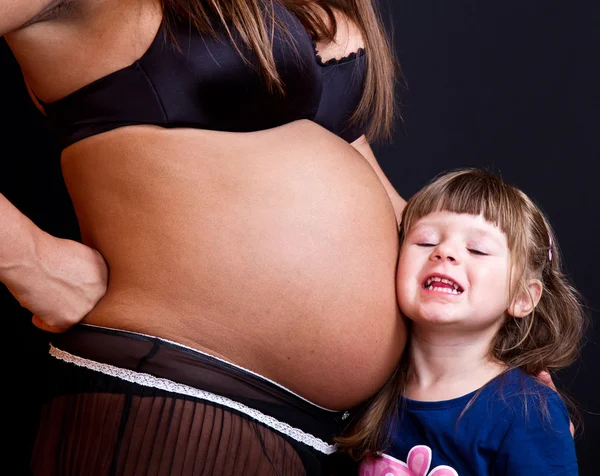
<point x="121" y="403"/>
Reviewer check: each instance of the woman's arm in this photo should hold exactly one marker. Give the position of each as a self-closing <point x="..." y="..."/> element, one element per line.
<point x="362" y="145"/>
<point x="59" y="281"/>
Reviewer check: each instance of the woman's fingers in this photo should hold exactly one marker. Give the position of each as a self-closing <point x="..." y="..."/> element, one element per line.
<point x="40" y="324"/>
<point x="546" y="378"/>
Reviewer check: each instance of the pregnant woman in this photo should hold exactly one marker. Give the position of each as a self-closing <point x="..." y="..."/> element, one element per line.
<point x="233" y="301"/>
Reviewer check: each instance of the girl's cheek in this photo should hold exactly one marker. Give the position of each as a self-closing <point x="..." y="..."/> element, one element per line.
<point x="401" y="287"/>
<point x="398" y="294"/>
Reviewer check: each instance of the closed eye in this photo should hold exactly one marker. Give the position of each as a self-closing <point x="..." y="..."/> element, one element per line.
<point x="426" y="244"/>
<point x="477" y="252"/>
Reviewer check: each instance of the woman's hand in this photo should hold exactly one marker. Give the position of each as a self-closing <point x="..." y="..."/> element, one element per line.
<point x="62" y="285"/>
<point x="546" y="378"/>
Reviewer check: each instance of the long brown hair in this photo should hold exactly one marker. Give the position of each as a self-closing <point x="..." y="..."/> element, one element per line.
<point x="549" y="338"/>
<point x="254" y="22"/>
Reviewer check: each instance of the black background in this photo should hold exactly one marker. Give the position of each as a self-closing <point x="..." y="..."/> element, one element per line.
<point x="511" y="86"/>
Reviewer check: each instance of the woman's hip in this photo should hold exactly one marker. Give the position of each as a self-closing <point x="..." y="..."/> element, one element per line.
<point x="121" y="402"/>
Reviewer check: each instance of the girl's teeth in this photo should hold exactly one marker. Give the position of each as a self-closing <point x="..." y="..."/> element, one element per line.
<point x="429" y="284"/>
<point x="440" y="280"/>
<point x="445" y="290"/>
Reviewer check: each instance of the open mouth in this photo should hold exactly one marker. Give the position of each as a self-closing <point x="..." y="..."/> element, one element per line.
<point x="442" y="285"/>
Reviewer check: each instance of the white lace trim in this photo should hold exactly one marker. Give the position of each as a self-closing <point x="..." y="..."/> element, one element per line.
<point x="148" y="380"/>
<point x="177" y="344"/>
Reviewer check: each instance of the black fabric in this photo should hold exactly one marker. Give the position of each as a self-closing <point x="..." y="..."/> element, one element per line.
<point x="97" y="424"/>
<point x="203" y="82"/>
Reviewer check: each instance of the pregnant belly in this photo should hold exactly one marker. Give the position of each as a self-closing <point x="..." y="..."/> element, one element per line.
<point x="280" y="259"/>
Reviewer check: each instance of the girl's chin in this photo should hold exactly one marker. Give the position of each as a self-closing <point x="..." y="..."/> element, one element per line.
<point x="433" y="312"/>
<point x="436" y="320"/>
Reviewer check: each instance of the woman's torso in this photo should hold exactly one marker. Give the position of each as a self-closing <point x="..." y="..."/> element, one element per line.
<point x="275" y="250"/>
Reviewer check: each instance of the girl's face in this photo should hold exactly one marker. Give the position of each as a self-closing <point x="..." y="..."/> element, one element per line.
<point x="454" y="271"/>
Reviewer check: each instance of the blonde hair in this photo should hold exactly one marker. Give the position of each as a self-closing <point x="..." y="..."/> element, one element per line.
<point x="549" y="338"/>
<point x="254" y="22"/>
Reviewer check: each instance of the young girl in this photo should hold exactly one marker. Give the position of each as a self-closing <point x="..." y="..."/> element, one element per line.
<point x="479" y="278"/>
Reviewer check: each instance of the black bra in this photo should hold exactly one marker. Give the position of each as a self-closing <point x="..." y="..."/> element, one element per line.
<point x="207" y="85"/>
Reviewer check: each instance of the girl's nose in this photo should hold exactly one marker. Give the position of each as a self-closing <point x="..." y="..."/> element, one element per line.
<point x="444" y="253"/>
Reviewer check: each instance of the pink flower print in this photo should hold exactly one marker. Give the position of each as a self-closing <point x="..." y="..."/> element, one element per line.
<point x="418" y="463"/>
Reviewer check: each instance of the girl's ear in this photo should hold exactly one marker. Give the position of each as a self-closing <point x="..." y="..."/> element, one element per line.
<point x="526" y="299"/>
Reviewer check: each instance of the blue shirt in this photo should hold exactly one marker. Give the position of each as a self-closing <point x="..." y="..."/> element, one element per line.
<point x="515" y="426"/>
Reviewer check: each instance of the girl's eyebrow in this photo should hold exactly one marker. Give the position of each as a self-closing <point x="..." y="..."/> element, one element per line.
<point x="473" y="232"/>
<point x="421" y="224"/>
<point x="421" y="228"/>
<point x="482" y="233"/>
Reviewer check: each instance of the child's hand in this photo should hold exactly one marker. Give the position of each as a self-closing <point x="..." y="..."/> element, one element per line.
<point x="546" y="378"/>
